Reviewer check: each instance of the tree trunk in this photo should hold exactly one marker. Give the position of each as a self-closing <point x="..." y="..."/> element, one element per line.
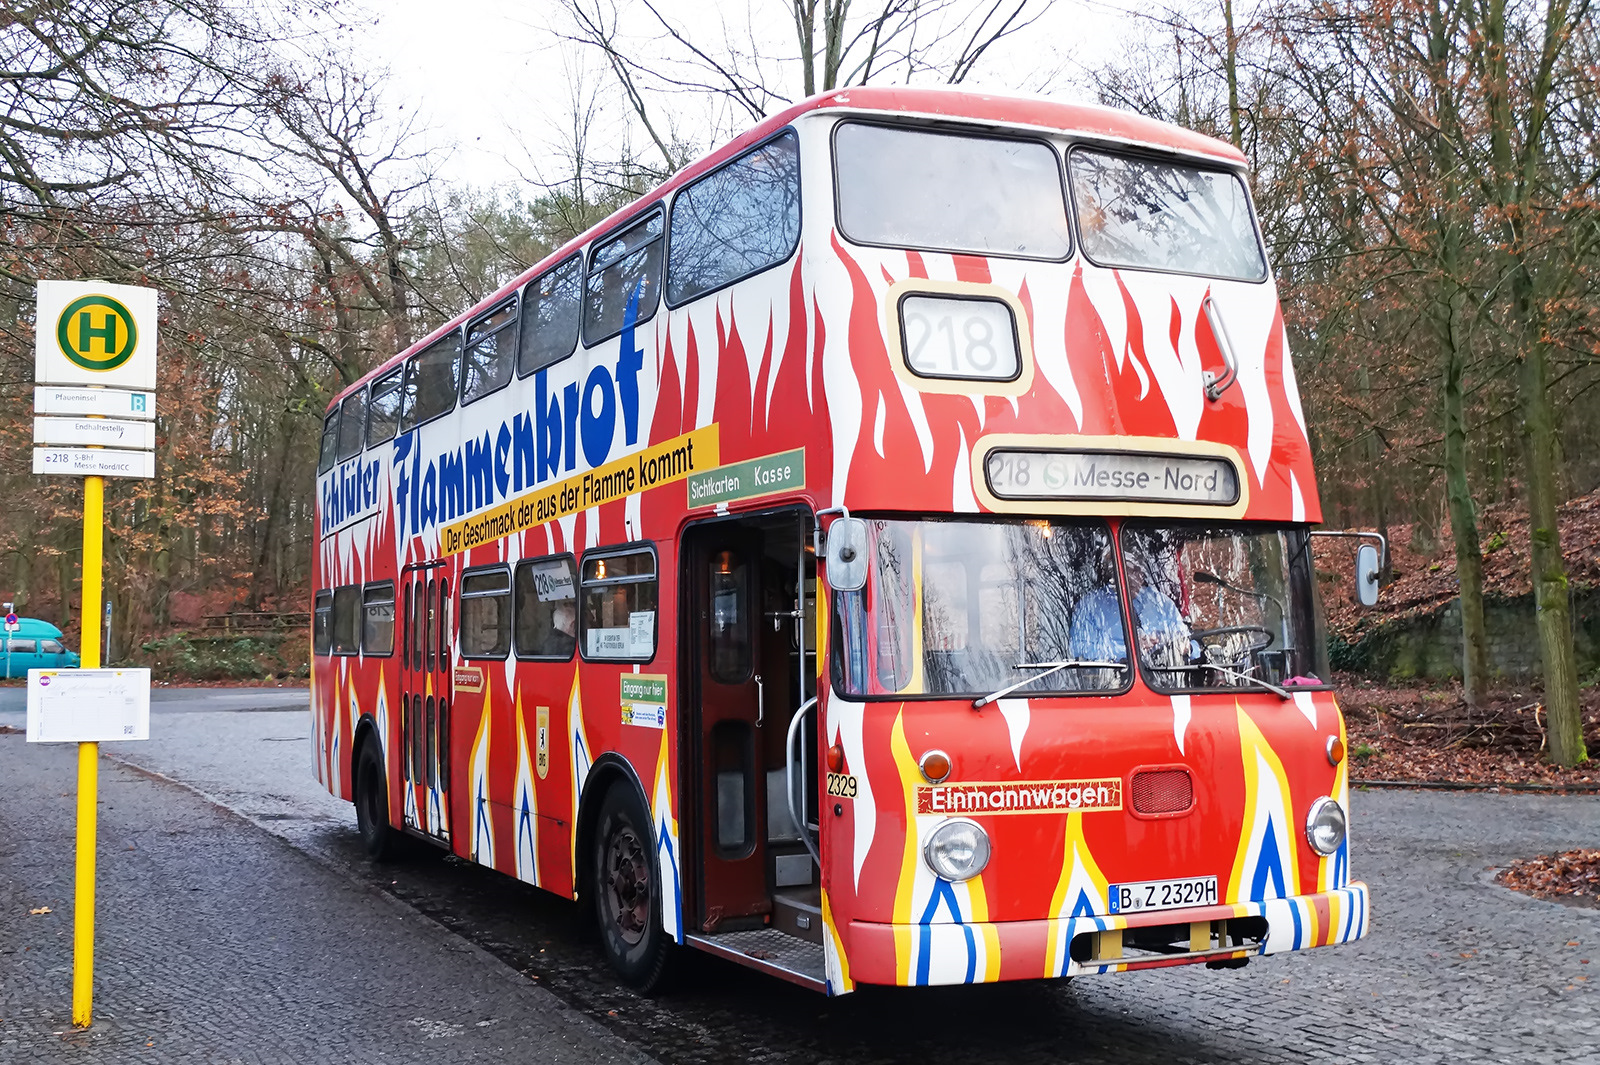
<point x="1513" y="184"/>
<point x="1235" y="132"/>
<point x="1464" y="530"/>
<point x="1550" y="592"/>
<point x="1444" y="318"/>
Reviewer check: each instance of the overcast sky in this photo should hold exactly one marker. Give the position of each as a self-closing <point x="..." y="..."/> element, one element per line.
<point x="490" y="78"/>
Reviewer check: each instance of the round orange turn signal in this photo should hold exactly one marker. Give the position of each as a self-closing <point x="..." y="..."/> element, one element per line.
<point x="836" y="759"/>
<point x="1335" y="750"/>
<point x="935" y="766"/>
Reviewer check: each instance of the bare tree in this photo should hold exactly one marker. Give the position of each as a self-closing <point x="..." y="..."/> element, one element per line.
<point x="834" y="44"/>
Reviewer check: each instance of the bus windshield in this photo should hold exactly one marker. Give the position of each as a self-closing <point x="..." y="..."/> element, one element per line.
<point x="1223" y="606"/>
<point x="971" y="607"/>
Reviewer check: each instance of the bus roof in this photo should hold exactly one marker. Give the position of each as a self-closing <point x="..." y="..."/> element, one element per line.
<point x="935" y="104"/>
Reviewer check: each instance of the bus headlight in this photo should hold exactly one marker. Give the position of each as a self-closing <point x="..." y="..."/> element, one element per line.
<point x="1325" y="826"/>
<point x="957" y="850"/>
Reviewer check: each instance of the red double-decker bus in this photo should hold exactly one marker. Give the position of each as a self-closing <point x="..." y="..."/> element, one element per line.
<point x="878" y="555"/>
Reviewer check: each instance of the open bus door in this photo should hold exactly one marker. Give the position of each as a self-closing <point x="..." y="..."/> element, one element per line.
<point x="750" y="666"/>
<point x="427" y="654"/>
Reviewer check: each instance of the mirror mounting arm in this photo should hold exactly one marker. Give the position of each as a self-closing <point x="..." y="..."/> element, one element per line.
<point x="1367" y="572"/>
<point x="816" y="527"/>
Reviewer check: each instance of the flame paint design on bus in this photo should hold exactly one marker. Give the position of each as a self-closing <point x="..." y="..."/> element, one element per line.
<point x="809" y="351"/>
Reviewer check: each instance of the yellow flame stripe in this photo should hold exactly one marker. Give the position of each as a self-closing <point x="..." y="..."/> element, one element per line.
<point x="906" y="886"/>
<point x="1076" y="857"/>
<point x="978" y="897"/>
<point x="478" y="763"/>
<point x="663" y="793"/>
<point x="838" y="945"/>
<point x="575" y="727"/>
<point x="1254" y="749"/>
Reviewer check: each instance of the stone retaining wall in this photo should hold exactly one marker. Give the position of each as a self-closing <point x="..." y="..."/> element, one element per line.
<point x="1429" y="645"/>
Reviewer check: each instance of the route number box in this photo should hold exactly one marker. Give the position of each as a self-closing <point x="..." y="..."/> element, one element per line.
<point x="88" y="705"/>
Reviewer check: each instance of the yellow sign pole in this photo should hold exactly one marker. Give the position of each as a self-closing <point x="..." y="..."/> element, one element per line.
<point x="88" y="762"/>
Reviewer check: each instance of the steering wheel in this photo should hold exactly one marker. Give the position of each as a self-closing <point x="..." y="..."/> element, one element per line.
<point x="1201" y="635"/>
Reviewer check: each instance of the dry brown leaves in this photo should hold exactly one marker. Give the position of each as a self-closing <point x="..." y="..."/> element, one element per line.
<point x="1428" y="734"/>
<point x="1572" y="875"/>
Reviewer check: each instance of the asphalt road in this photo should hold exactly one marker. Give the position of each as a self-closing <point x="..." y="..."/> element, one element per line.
<point x="14" y="701"/>
<point x="1457" y="969"/>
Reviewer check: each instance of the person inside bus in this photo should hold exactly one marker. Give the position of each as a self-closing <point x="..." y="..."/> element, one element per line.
<point x="1164" y="635"/>
<point x="563" y="635"/>
<point x="548" y="630"/>
<point x="1096" y="630"/>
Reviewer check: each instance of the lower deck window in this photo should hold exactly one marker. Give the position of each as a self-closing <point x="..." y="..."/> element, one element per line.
<point x="486" y="614"/>
<point x="619" y="606"/>
<point x="322" y="623"/>
<point x="377" y="619"/>
<point x="347" y="620"/>
<point x="547" y="608"/>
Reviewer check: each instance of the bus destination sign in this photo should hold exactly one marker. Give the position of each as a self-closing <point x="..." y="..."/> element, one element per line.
<point x="1112" y="475"/>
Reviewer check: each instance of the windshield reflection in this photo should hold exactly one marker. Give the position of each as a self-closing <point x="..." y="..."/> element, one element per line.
<point x="1223" y="606"/>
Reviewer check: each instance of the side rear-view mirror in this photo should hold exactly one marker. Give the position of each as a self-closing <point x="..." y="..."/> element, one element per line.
<point x="847" y="554"/>
<point x="1367" y="575"/>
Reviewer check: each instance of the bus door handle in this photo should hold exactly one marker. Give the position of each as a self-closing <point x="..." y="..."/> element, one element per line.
<point x="797" y="815"/>
<point x="1215" y="385"/>
<point x="761" y="700"/>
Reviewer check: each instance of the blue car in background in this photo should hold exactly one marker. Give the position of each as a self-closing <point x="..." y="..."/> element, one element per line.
<point x="35" y="645"/>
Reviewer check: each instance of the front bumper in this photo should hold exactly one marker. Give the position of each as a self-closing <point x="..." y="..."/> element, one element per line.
<point x="983" y="952"/>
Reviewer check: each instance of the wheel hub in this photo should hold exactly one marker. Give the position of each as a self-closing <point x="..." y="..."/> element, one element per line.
<point x="627" y="884"/>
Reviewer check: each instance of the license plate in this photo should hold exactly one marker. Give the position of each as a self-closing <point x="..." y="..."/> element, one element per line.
<point x="1163" y="894"/>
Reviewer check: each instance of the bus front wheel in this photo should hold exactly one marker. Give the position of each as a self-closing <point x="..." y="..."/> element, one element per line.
<point x="627" y="892"/>
<point x="382" y="842"/>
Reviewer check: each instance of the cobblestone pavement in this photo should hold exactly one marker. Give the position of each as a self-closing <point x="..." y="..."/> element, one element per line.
<point x="1457" y="969"/>
<point x="220" y="943"/>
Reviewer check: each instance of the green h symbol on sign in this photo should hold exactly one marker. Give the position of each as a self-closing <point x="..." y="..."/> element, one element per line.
<point x="118" y="334"/>
<point x="106" y="334"/>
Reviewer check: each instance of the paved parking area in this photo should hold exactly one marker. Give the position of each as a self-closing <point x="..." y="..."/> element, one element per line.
<point x="1457" y="969"/>
<point x="218" y="942"/>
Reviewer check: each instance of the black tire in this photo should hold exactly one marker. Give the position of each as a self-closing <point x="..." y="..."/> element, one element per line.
<point x="627" y="892"/>
<point x="384" y="843"/>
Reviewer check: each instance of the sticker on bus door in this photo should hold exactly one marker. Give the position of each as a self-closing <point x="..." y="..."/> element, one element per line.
<point x="644" y="700"/>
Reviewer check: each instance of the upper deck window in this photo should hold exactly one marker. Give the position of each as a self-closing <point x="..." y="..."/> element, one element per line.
<point x="627" y="264"/>
<point x="491" y="352"/>
<point x="913" y="188"/>
<point x="330" y="442"/>
<point x="383" y="413"/>
<point x="352" y="424"/>
<point x="1153" y="215"/>
<point x="432" y="377"/>
<point x="550" y="306"/>
<point x="736" y="221"/>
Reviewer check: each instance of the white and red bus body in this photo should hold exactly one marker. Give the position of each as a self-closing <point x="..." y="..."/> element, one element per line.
<point x="1150" y="811"/>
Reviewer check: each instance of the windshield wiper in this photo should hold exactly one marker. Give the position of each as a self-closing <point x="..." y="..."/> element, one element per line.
<point x="1049" y="668"/>
<point x="1248" y="679"/>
